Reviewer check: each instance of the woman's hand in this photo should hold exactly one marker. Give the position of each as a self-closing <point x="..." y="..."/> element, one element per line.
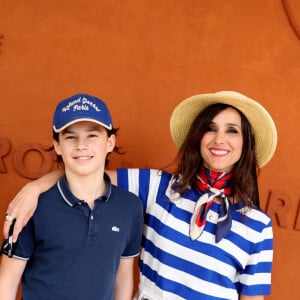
<point x="21" y="208"/>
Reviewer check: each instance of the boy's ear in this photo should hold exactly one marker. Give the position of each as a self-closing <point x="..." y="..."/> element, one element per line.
<point x="56" y="147"/>
<point x="111" y="143"/>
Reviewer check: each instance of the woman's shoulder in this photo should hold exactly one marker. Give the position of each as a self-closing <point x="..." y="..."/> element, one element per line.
<point x="256" y="214"/>
<point x="144" y="173"/>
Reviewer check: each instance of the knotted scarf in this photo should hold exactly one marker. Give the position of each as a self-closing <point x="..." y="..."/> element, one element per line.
<point x="212" y="184"/>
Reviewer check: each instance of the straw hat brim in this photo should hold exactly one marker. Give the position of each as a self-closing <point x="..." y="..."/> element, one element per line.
<point x="263" y="126"/>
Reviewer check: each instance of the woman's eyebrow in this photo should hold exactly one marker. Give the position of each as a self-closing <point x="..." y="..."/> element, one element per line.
<point x="233" y="124"/>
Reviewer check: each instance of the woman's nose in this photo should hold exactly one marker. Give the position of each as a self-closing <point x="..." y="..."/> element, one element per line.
<point x="220" y="137"/>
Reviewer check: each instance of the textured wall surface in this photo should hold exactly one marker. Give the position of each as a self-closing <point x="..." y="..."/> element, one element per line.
<point x="143" y="57"/>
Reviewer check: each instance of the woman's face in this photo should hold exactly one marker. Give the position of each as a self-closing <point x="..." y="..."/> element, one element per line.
<point x="221" y="146"/>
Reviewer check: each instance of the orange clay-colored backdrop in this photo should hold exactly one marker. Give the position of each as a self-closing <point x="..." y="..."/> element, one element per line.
<point x="143" y="57"/>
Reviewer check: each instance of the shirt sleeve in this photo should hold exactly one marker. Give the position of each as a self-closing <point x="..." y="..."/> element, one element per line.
<point x="25" y="244"/>
<point x="136" y="181"/>
<point x="134" y="242"/>
<point x="255" y="279"/>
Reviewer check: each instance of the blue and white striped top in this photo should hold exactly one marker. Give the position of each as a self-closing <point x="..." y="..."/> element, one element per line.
<point x="172" y="266"/>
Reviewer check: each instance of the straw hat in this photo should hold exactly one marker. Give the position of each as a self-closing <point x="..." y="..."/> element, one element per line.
<point x="263" y="126"/>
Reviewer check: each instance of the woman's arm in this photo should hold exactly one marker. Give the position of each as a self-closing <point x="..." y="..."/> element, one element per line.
<point x="244" y="297"/>
<point x="112" y="175"/>
<point x="24" y="204"/>
<point x="11" y="270"/>
<point x="125" y="279"/>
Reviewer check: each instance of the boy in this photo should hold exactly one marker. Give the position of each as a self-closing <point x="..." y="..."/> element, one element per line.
<point x="82" y="239"/>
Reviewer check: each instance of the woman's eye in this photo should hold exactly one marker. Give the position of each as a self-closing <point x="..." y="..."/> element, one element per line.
<point x="210" y="128"/>
<point x="232" y="130"/>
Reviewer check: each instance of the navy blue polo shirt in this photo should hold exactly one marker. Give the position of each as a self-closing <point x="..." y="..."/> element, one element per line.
<point x="73" y="252"/>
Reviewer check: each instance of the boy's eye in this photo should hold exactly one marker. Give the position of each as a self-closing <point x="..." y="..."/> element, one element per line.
<point x="69" y="137"/>
<point x="92" y="135"/>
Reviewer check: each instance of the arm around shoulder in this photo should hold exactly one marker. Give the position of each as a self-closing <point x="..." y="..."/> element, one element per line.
<point x="24" y="204"/>
<point x="113" y="176"/>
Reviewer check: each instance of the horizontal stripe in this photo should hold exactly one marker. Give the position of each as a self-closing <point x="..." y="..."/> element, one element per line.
<point x="172" y="265"/>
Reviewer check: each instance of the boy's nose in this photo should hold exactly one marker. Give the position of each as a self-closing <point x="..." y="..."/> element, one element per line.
<point x="81" y="143"/>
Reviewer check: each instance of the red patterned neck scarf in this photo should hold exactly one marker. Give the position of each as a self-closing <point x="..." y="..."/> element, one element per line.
<point x="212" y="184"/>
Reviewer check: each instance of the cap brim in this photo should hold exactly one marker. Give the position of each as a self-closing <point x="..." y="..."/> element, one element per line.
<point x="59" y="127"/>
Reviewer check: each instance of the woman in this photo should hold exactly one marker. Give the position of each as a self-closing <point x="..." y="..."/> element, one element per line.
<point x="204" y="234"/>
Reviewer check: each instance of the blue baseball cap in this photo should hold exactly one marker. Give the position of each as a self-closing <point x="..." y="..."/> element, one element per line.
<point x="81" y="107"/>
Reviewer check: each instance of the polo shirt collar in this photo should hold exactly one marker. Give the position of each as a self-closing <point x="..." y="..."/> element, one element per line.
<point x="72" y="200"/>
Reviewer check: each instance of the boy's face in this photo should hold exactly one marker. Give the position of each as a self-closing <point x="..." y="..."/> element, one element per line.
<point x="83" y="147"/>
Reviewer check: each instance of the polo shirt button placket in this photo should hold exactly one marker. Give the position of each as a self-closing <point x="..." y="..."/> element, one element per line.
<point x="91" y="227"/>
